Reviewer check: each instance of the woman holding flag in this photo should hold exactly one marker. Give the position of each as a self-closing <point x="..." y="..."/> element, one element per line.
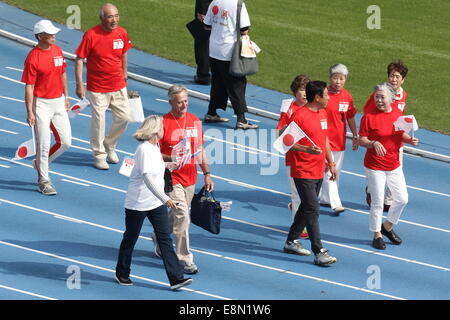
<point x="382" y="163"/>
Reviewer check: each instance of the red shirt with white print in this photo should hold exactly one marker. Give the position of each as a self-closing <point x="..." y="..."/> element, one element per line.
<point x="314" y="125"/>
<point x="399" y="103"/>
<point x="43" y="69"/>
<point x="379" y="126"/>
<point x="339" y="108"/>
<point x="103" y="51"/>
<point x="175" y="129"/>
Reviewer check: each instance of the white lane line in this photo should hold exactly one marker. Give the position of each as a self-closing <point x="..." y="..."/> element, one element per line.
<point x="254" y="120"/>
<point x="56" y="215"/>
<point x="15" y="69"/>
<point x="7" y="131"/>
<point x="220" y="256"/>
<point x="243" y="150"/>
<point x="27" y="292"/>
<point x="5" y="166"/>
<point x="161" y="100"/>
<point x="11" y="79"/>
<point x="12" y="99"/>
<point x="75" y="182"/>
<point x="106" y="269"/>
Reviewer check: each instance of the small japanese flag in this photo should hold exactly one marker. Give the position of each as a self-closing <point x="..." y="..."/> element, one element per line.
<point x="77" y="107"/>
<point x="285" y="104"/>
<point x="126" y="167"/>
<point x="26" y="149"/>
<point x="290" y="136"/>
<point x="406" y="123"/>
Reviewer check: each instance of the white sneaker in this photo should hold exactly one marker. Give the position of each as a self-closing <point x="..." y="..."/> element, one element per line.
<point x="323" y="258"/>
<point x="295" y="247"/>
<point x="112" y="157"/>
<point x="101" y="164"/>
<point x="46" y="188"/>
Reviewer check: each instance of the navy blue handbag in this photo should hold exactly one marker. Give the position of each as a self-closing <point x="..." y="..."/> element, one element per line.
<point x="206" y="211"/>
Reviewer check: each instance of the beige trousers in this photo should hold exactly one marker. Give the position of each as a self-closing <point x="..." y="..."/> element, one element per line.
<point x="100" y="101"/>
<point x="179" y="221"/>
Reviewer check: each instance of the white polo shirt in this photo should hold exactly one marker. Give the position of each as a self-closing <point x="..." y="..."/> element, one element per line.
<point x="221" y="16"/>
<point x="147" y="159"/>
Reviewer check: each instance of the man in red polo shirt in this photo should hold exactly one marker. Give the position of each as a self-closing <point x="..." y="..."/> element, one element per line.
<point x="105" y="47"/>
<point x="183" y="136"/>
<point x="46" y="100"/>
<point x="307" y="169"/>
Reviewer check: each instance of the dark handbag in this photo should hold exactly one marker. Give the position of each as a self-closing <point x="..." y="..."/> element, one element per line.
<point x="197" y="30"/>
<point x="241" y="66"/>
<point x="206" y="211"/>
<point x="168" y="185"/>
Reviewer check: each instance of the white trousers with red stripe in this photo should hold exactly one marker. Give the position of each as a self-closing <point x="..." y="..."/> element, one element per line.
<point x="51" y="115"/>
<point x="377" y="180"/>
<point x="329" y="194"/>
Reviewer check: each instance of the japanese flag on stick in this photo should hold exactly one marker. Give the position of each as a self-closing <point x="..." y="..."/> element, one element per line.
<point x="26" y="149"/>
<point x="289" y="137"/>
<point x="285" y="104"/>
<point x="77" y="107"/>
<point x="406" y="123"/>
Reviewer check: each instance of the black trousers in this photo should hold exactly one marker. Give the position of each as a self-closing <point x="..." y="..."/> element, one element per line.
<point x="224" y="86"/>
<point x="307" y="214"/>
<point x="160" y="220"/>
<point x="201" y="49"/>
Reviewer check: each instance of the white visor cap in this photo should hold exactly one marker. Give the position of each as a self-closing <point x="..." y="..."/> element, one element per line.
<point x="45" y="26"/>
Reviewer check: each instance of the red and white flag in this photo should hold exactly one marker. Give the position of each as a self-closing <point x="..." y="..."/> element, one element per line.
<point x="26" y="149"/>
<point x="285" y="104"/>
<point x="288" y="138"/>
<point x="77" y="107"/>
<point x="406" y="123"/>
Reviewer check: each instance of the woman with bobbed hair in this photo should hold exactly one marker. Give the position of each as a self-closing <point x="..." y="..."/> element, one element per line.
<point x="382" y="164"/>
<point x="146" y="199"/>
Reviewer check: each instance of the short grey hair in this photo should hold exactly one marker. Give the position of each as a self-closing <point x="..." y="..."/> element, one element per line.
<point x="175" y="89"/>
<point x="149" y="128"/>
<point x="386" y="86"/>
<point x="338" y="68"/>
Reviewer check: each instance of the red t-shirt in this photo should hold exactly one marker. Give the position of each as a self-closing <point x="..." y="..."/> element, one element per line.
<point x="175" y="129"/>
<point x="399" y="103"/>
<point x="285" y="118"/>
<point x="44" y="69"/>
<point x="103" y="51"/>
<point x="339" y="108"/>
<point x="314" y="124"/>
<point x="379" y="126"/>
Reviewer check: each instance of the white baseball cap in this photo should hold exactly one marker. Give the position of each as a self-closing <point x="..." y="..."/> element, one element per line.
<point x="45" y="26"/>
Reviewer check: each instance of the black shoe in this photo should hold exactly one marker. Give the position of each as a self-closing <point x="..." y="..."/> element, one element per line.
<point x="386" y="207"/>
<point x="378" y="243"/>
<point x="368" y="197"/>
<point x="123" y="281"/>
<point x="180" y="283"/>
<point x="204" y="81"/>
<point x="395" y="239"/>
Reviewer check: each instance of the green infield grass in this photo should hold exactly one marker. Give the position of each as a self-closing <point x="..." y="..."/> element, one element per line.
<point x="307" y="37"/>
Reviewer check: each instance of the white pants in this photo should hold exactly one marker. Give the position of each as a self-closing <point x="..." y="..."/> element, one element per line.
<point x="389" y="198"/>
<point x="118" y="101"/>
<point x="395" y="181"/>
<point x="295" y="198"/>
<point x="329" y="193"/>
<point x="51" y="115"/>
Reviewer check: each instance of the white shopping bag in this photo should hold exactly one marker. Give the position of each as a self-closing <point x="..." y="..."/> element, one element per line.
<point x="127" y="166"/>
<point x="136" y="110"/>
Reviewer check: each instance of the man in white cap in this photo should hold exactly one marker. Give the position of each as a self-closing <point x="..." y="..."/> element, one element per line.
<point x="46" y="101"/>
<point x="105" y="47"/>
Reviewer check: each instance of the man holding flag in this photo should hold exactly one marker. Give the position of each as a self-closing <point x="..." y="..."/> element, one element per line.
<point x="46" y="100"/>
<point x="309" y="124"/>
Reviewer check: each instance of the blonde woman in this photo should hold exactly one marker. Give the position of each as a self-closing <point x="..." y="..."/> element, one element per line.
<point x="146" y="199"/>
